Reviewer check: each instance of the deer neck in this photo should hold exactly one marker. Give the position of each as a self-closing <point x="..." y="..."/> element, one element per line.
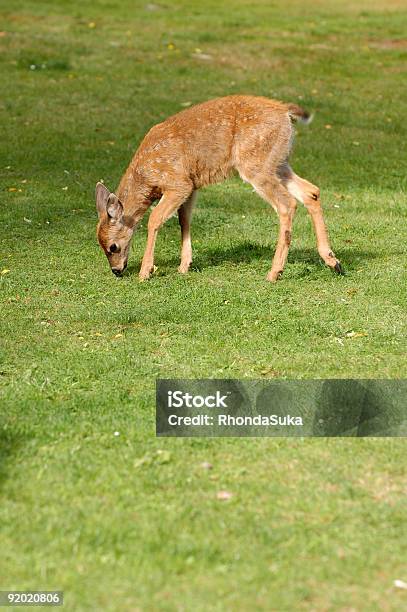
<point x="133" y="196"/>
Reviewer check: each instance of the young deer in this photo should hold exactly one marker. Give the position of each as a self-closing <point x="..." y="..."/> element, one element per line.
<point x="200" y="146"/>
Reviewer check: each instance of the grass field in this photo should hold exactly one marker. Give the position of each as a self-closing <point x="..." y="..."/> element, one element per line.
<point x="131" y="522"/>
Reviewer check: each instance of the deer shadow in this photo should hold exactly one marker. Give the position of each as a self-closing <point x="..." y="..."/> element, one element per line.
<point x="248" y="252"/>
<point x="9" y="446"/>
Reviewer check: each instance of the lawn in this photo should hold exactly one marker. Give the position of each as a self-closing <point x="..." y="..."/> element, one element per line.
<point x="129" y="521"/>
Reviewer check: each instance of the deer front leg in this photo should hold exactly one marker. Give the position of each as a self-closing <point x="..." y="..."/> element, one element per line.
<point x="167" y="206"/>
<point x="184" y="217"/>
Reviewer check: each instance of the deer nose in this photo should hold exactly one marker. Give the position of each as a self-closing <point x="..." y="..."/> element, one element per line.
<point x="117" y="271"/>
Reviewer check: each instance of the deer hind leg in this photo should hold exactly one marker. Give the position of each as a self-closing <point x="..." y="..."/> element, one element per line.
<point x="167" y="206"/>
<point x="309" y="195"/>
<point x="271" y="190"/>
<point x="184" y="217"/>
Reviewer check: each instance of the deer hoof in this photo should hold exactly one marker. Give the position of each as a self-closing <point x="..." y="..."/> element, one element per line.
<point x="143" y="276"/>
<point x="273" y="277"/>
<point x="338" y="269"/>
<point x="183" y="268"/>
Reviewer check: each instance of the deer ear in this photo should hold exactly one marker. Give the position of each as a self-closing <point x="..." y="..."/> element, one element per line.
<point x="102" y="196"/>
<point x="114" y="207"/>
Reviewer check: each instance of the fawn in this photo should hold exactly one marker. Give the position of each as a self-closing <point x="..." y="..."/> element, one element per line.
<point x="199" y="146"/>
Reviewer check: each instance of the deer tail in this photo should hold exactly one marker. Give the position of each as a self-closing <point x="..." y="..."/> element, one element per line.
<point x="299" y="114"/>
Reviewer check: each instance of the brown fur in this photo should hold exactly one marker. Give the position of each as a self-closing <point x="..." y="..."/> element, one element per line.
<point x="200" y="146"/>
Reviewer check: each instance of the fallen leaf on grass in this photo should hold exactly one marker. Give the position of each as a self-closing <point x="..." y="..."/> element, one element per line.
<point x="202" y="56"/>
<point x="152" y="7"/>
<point x="269" y="372"/>
<point x="353" y="334"/>
<point x="146" y="460"/>
<point x="400" y="584"/>
<point x="163" y="456"/>
<point x="205" y="465"/>
<point x="224" y="495"/>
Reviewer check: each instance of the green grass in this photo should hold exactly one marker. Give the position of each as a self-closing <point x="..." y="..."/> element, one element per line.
<point x="313" y="524"/>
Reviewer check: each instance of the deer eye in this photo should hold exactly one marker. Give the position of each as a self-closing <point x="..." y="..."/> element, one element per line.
<point x="114" y="248"/>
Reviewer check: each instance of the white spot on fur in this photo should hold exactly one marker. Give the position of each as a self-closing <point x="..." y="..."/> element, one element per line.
<point x="293" y="188"/>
